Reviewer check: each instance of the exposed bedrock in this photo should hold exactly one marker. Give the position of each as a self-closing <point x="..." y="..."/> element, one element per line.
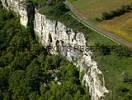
<point x="63" y="41"/>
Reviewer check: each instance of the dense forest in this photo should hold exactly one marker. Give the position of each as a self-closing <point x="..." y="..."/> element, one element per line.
<point x="29" y="72"/>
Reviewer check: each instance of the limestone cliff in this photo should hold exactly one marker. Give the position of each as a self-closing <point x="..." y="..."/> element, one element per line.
<point x="19" y="7"/>
<point x="62" y="40"/>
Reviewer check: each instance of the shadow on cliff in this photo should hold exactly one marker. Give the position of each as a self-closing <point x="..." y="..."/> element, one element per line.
<point x="31" y="15"/>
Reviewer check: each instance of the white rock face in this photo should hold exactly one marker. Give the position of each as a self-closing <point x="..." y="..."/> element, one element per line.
<point x="59" y="37"/>
<point x="19" y="7"/>
<point x="69" y="44"/>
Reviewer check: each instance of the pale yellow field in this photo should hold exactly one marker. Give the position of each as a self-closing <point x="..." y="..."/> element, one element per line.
<point x="91" y="9"/>
<point x="121" y="26"/>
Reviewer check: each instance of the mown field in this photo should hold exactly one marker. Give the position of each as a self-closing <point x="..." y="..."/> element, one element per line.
<point x="121" y="26"/>
<point x="32" y="78"/>
<point x="92" y="9"/>
<point x="113" y="65"/>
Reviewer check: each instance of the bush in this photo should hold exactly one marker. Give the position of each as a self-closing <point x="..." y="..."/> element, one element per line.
<point x="114" y="13"/>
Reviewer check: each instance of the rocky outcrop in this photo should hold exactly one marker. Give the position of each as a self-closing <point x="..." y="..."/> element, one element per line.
<point x="19" y="7"/>
<point x="66" y="42"/>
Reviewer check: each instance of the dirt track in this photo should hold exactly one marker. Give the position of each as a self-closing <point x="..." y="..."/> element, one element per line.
<point x="107" y="34"/>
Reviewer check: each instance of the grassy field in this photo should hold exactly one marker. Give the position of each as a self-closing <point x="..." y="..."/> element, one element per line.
<point x="121" y="26"/>
<point x="94" y="8"/>
<point x="91" y="9"/>
<point x="113" y="68"/>
<point x="112" y="65"/>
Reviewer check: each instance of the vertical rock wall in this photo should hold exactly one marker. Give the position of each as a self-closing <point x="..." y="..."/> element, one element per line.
<point x="64" y="41"/>
<point x="71" y="45"/>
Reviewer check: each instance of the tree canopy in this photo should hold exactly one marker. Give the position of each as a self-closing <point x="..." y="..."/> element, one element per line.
<point x="29" y="72"/>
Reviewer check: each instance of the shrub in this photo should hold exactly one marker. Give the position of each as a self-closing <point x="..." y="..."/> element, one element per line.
<point x="117" y="12"/>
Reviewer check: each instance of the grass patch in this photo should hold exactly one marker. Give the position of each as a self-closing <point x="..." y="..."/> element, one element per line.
<point x="112" y="65"/>
<point x="120" y="25"/>
<point x="94" y="8"/>
<point x="113" y="68"/>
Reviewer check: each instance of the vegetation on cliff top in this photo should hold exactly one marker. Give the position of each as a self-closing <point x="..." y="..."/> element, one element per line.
<point x="29" y="72"/>
<point x="113" y="16"/>
<point x="113" y="60"/>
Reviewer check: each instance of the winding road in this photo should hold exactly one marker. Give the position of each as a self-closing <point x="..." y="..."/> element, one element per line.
<point x="90" y="25"/>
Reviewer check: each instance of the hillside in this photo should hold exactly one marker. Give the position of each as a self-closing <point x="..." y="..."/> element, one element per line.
<point x="29" y="72"/>
<point x="115" y="63"/>
<point x="93" y="11"/>
<point x="54" y="56"/>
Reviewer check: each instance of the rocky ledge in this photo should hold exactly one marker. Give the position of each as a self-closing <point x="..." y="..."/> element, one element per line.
<point x="63" y="41"/>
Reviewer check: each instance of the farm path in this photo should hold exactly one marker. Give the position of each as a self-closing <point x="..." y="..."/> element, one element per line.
<point x="93" y="27"/>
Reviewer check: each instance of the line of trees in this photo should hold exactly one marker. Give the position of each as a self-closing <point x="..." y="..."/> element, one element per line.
<point x="118" y="50"/>
<point x="114" y="13"/>
<point x="29" y="72"/>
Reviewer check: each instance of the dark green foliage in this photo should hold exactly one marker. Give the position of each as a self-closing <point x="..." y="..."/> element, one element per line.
<point x="122" y="51"/>
<point x="115" y="13"/>
<point x="58" y="11"/>
<point x="28" y="72"/>
<point x="124" y="93"/>
<point x="118" y="50"/>
<point x="127" y="78"/>
<point x="30" y="12"/>
<point x="55" y="10"/>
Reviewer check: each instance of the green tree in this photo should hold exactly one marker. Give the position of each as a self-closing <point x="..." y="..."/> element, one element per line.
<point x="18" y="86"/>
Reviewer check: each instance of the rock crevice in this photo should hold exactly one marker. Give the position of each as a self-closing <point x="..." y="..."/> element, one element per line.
<point x="70" y="44"/>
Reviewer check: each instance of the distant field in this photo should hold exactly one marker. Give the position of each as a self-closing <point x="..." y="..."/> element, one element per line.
<point x="121" y="26"/>
<point x="91" y="9"/>
<point x="94" y="8"/>
<point x="112" y="66"/>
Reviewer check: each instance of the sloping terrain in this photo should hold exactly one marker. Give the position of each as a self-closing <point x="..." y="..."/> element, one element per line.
<point x="35" y="81"/>
<point x="114" y="66"/>
<point x="29" y="72"/>
<point x="120" y="25"/>
<point x="91" y="9"/>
